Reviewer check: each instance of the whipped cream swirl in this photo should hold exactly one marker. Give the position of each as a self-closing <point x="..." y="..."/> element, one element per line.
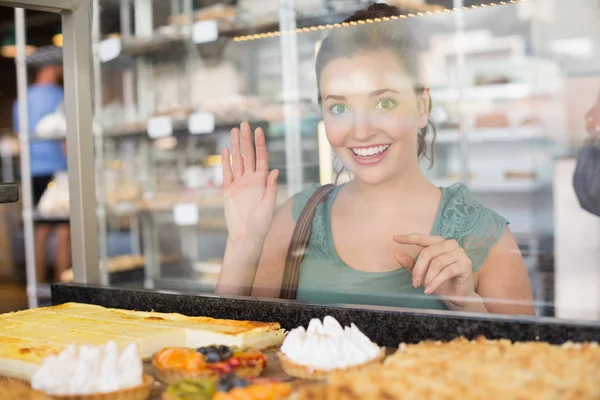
<point x="89" y="369"/>
<point x="327" y="346"/>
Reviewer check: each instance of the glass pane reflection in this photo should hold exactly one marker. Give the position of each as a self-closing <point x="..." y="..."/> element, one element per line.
<point x="507" y="89"/>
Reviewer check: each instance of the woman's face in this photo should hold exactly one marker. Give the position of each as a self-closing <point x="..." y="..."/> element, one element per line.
<point x="372" y="114"/>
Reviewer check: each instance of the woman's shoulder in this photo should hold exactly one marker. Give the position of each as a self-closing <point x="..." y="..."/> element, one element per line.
<point x="461" y="204"/>
<point x="475" y="227"/>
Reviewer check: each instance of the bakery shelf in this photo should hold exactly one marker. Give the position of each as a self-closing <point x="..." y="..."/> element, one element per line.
<point x="509" y="91"/>
<point x="515" y="134"/>
<point x="179" y="36"/>
<point x="308" y="144"/>
<point x="211" y="200"/>
<point x="180" y="127"/>
<point x="516" y="186"/>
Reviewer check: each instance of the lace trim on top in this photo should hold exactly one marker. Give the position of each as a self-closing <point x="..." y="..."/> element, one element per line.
<point x="476" y="228"/>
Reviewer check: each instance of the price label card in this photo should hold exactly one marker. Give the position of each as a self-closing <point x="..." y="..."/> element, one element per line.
<point x="201" y="122"/>
<point x="160" y="127"/>
<point x="186" y="214"/>
<point x="205" y="31"/>
<point x="109" y="49"/>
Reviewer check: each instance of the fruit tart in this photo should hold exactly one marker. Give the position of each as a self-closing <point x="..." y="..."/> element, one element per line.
<point x="230" y="387"/>
<point x="326" y="348"/>
<point x="213" y="362"/>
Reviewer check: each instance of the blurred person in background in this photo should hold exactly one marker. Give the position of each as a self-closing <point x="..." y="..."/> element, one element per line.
<point x="586" y="179"/>
<point x="48" y="157"/>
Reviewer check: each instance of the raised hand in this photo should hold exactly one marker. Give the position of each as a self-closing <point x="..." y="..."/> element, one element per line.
<point x="250" y="191"/>
<point x="442" y="267"/>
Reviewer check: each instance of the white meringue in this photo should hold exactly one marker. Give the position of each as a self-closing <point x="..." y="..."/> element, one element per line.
<point x="89" y="370"/>
<point x="327" y="346"/>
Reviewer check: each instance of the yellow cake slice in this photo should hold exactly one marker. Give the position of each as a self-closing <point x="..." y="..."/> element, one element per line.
<point x="28" y="337"/>
<point x="20" y="357"/>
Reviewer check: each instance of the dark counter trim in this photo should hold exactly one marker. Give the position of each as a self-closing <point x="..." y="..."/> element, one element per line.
<point x="9" y="193"/>
<point x="386" y="326"/>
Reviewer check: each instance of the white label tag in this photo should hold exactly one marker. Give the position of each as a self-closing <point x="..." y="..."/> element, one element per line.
<point x="201" y="122"/>
<point x="536" y="11"/>
<point x="109" y="49"/>
<point x="186" y="214"/>
<point x="160" y="127"/>
<point x="205" y="31"/>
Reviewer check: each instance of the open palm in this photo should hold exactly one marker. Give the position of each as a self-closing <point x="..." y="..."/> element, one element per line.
<point x="250" y="191"/>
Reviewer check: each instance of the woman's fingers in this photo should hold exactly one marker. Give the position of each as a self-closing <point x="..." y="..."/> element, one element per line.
<point x="247" y="148"/>
<point x="418" y="239"/>
<point x="270" y="195"/>
<point x="427" y="255"/>
<point x="405" y="260"/>
<point x="449" y="272"/>
<point x="226" y="163"/>
<point x="262" y="156"/>
<point x="438" y="264"/>
<point x="237" y="160"/>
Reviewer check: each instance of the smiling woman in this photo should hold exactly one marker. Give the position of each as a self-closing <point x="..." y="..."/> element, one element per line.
<point x="388" y="237"/>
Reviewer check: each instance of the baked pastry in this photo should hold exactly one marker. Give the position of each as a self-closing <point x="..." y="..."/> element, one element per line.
<point x="94" y="373"/>
<point x="211" y="363"/>
<point x="257" y="391"/>
<point x="230" y="387"/>
<point x="28" y="337"/>
<point x="190" y="389"/>
<point x="325" y="348"/>
<point x="17" y="389"/>
<point x="478" y="369"/>
<point x="140" y="392"/>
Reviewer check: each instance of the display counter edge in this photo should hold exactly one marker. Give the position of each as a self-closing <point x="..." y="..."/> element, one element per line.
<point x="385" y="326"/>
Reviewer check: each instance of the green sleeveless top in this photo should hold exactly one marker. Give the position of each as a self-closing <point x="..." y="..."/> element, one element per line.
<point x="325" y="278"/>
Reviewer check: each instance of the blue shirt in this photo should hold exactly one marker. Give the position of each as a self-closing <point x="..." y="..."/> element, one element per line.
<point x="47" y="156"/>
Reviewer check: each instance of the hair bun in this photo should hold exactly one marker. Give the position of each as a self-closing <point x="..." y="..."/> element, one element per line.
<point x="376" y="10"/>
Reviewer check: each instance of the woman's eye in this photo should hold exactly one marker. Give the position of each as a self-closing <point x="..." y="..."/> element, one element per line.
<point x="385" y="104"/>
<point x="338" y="109"/>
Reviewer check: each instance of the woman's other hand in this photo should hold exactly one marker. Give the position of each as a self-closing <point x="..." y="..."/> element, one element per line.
<point x="442" y="267"/>
<point x="592" y="119"/>
<point x="250" y="191"/>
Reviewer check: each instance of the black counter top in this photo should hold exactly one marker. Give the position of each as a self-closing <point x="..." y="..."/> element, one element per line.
<point x="386" y="326"/>
<point x="9" y="193"/>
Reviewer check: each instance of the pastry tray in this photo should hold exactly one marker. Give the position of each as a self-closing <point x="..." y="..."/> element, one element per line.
<point x="273" y="370"/>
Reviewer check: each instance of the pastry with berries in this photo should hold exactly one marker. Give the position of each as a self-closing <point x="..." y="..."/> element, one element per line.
<point x="229" y="387"/>
<point x="212" y="362"/>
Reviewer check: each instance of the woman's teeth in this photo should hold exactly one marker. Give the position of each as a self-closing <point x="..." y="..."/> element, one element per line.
<point x="370" y="151"/>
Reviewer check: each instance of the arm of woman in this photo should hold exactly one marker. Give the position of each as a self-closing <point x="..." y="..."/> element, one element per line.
<point x="250" y="194"/>
<point x="271" y="267"/>
<point x="502" y="281"/>
<point x="262" y="267"/>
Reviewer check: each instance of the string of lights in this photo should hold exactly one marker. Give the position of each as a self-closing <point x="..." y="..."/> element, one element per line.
<point x="314" y="28"/>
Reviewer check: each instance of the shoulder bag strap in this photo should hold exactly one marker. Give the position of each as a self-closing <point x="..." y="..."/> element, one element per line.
<point x="299" y="243"/>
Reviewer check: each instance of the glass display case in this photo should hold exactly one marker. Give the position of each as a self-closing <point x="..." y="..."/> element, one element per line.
<point x="174" y="84"/>
<point x="507" y="82"/>
<point x="425" y="207"/>
<point x="177" y="77"/>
